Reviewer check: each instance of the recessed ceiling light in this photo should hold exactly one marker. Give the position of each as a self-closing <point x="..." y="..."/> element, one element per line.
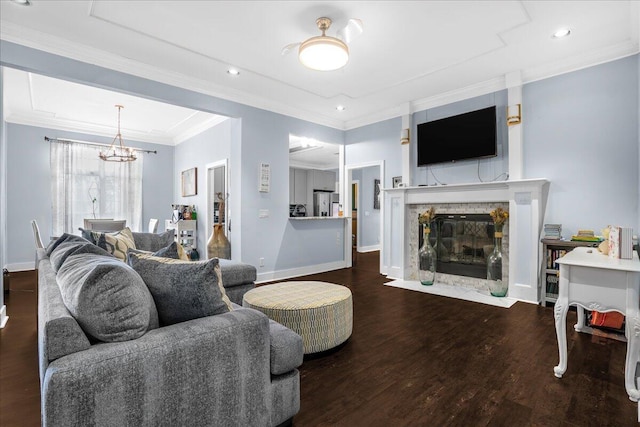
<point x="22" y="2"/>
<point x="341" y="108"/>
<point x="563" y="32"/>
<point x="233" y="71"/>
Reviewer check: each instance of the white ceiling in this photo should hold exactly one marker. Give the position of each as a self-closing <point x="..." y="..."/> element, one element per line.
<point x="412" y="54"/>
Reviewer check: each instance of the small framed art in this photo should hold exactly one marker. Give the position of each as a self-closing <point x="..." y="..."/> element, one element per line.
<point x="190" y="182"/>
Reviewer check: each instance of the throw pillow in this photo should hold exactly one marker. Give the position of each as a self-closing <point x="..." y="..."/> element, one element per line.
<point x="66" y="249"/>
<point x="182" y="290"/>
<point x="170" y="251"/>
<point x="152" y="241"/>
<point x="116" y="243"/>
<point x="66" y="237"/>
<point x="107" y="298"/>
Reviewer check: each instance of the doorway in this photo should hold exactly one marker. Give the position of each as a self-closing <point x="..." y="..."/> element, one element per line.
<point x="364" y="208"/>
<point x="217" y="186"/>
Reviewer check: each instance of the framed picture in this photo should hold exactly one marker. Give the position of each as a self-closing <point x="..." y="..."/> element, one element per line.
<point x="376" y="194"/>
<point x="397" y="180"/>
<point x="190" y="182"/>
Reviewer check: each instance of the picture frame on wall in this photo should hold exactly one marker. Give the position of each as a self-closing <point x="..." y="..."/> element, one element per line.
<point x="397" y="181"/>
<point x="190" y="182"/>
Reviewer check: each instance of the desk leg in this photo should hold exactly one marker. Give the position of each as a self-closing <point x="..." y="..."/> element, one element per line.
<point x="632" y="331"/>
<point x="560" y="314"/>
<point x="579" y="326"/>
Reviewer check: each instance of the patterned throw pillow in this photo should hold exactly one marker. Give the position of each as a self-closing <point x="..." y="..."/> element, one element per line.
<point x="182" y="290"/>
<point x="116" y="243"/>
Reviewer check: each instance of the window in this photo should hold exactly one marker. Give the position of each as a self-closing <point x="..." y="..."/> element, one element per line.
<point x="84" y="186"/>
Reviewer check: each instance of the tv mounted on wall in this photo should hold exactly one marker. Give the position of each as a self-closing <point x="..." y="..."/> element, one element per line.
<point x="465" y="136"/>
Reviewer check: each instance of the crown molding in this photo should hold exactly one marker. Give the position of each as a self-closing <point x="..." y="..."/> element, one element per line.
<point x="51" y="122"/>
<point x="196" y="130"/>
<point x="79" y="52"/>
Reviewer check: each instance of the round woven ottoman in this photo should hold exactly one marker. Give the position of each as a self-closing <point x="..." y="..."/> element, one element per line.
<point x="321" y="313"/>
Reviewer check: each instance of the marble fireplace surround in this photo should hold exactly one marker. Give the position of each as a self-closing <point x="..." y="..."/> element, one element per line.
<point x="526" y="202"/>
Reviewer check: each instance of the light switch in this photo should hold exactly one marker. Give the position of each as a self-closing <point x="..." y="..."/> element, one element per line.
<point x="263" y="213"/>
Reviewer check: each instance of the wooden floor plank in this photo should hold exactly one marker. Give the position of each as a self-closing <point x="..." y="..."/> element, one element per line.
<point x="413" y="359"/>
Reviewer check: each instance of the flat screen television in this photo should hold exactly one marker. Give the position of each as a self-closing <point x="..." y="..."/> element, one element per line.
<point x="465" y="136"/>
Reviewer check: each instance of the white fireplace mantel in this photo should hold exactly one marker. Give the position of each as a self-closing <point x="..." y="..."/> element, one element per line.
<point x="527" y="200"/>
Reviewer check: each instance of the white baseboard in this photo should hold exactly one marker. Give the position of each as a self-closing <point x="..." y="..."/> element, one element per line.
<point x="301" y="271"/>
<point x="20" y="266"/>
<point x="369" y="248"/>
<point x="3" y="316"/>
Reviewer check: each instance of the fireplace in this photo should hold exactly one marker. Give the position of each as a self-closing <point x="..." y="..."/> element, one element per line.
<point x="463" y="242"/>
<point x="525" y="200"/>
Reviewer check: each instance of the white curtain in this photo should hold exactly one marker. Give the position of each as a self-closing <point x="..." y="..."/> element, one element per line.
<point x="84" y="186"/>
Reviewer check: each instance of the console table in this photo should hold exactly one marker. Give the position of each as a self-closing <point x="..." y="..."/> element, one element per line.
<point x="593" y="281"/>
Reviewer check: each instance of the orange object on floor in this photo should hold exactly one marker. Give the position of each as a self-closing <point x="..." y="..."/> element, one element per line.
<point x="612" y="319"/>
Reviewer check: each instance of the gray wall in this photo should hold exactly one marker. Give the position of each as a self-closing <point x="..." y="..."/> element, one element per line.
<point x="210" y="146"/>
<point x="581" y="133"/>
<point x="464" y="171"/>
<point x="29" y="188"/>
<point x="259" y="136"/>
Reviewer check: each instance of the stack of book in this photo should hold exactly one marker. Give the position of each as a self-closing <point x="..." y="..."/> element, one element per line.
<point x="620" y="242"/>
<point x="586" y="236"/>
<point x="553" y="231"/>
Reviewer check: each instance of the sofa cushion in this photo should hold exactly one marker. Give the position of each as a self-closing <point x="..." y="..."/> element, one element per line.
<point x="66" y="249"/>
<point x="116" y="243"/>
<point x="182" y="290"/>
<point x="236" y="273"/>
<point x="107" y="297"/>
<point x="152" y="241"/>
<point x="66" y="237"/>
<point x="170" y="251"/>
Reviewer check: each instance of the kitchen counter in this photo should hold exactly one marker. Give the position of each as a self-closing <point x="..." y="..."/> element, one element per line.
<point x="307" y="218"/>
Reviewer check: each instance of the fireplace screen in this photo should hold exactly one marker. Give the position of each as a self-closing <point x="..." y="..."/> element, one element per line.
<point x="462" y="242"/>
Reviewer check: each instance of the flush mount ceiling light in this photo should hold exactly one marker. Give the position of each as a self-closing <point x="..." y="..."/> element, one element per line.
<point x="341" y="108"/>
<point x="21" y="2"/>
<point x="326" y="53"/>
<point x="562" y="32"/>
<point x="323" y="53"/>
<point x="118" y="153"/>
<point x="233" y="71"/>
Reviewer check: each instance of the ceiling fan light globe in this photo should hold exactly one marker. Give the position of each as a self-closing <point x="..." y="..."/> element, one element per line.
<point x="323" y="53"/>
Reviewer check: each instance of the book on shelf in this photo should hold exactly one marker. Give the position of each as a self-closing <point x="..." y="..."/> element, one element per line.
<point x="553" y="231"/>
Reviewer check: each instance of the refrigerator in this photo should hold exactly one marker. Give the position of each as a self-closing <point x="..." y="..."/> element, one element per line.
<point x="323" y="203"/>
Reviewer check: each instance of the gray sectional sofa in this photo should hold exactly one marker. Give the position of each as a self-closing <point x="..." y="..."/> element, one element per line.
<point x="237" y="368"/>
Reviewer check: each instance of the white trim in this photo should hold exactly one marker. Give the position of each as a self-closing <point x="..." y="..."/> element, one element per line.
<point x="21" y="266"/>
<point x="3" y="316"/>
<point x="350" y="215"/>
<point x="299" y="271"/>
<point x="347" y="191"/>
<point x="209" y="219"/>
<point x="371" y="248"/>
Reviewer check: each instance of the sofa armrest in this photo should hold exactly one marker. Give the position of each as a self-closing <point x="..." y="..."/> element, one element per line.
<point x="214" y="368"/>
<point x="286" y="348"/>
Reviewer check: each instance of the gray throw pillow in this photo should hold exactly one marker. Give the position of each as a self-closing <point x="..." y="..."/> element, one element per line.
<point x="86" y="234"/>
<point x="182" y="290"/>
<point x="66" y="237"/>
<point x="170" y="251"/>
<point x="152" y="241"/>
<point x="107" y="297"/>
<point x="66" y="249"/>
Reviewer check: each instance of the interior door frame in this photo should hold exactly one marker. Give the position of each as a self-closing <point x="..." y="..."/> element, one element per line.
<point x="348" y="170"/>
<point x="211" y="197"/>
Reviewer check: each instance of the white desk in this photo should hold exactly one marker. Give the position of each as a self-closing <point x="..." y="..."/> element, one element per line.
<point x="594" y="281"/>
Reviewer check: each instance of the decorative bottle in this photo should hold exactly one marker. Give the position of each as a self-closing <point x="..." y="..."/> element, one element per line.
<point x="427" y="259"/>
<point x="497" y="287"/>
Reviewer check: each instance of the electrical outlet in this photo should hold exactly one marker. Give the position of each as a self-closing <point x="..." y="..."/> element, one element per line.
<point x="261" y="262"/>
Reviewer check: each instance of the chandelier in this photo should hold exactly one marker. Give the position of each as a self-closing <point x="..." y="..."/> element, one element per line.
<point x="118" y="152"/>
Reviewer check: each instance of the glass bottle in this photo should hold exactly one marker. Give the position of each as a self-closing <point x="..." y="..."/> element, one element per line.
<point x="427" y="259"/>
<point x="497" y="287"/>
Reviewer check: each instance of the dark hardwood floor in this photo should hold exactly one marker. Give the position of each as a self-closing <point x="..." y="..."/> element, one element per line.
<point x="414" y="359"/>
